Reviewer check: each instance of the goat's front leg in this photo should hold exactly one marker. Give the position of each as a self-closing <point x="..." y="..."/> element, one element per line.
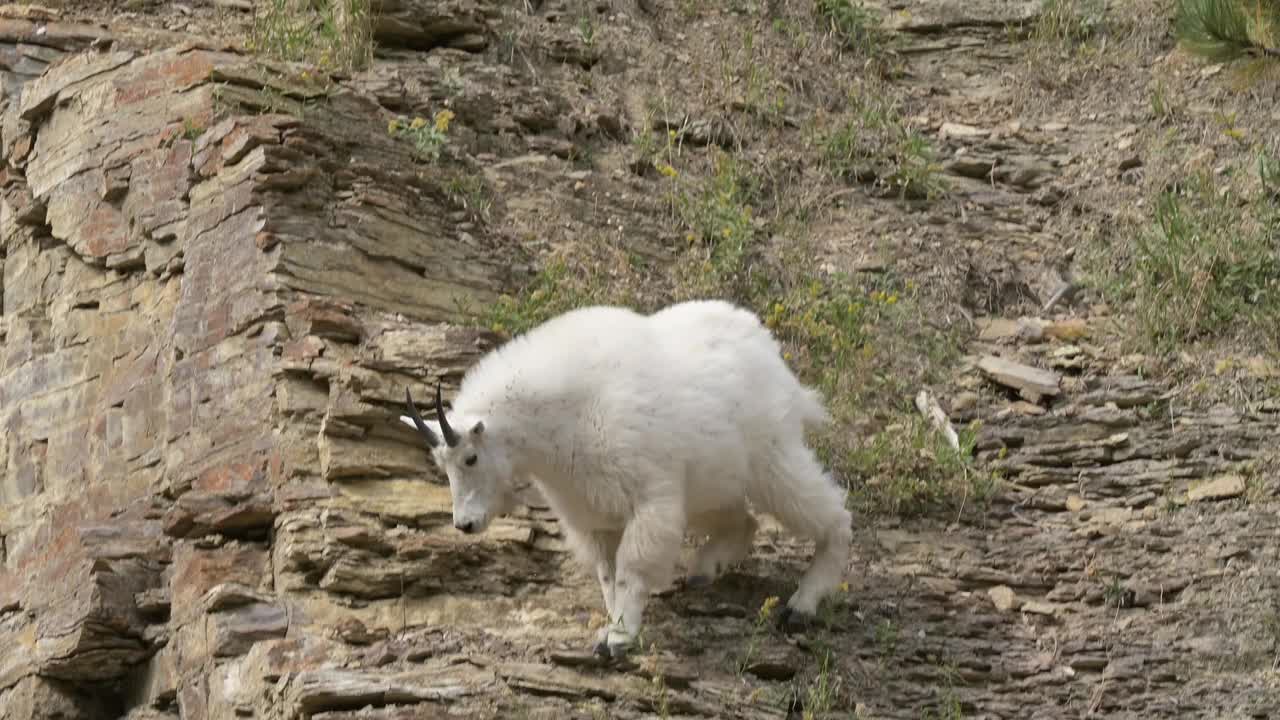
<point x="597" y="551"/>
<point x="605" y="548"/>
<point x="646" y="559"/>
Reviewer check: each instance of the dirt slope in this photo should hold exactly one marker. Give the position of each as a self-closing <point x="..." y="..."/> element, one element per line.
<point x="219" y="275"/>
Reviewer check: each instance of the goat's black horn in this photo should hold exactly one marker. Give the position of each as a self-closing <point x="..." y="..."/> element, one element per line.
<point x="432" y="440"/>
<point x="450" y="437"/>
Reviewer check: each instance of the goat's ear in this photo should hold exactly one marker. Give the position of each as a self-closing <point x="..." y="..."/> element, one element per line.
<point x="478" y="428"/>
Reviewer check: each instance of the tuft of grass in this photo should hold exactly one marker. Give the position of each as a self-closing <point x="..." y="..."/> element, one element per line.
<point x="820" y="696"/>
<point x="1207" y="264"/>
<point x="857" y="28"/>
<point x="1067" y="22"/>
<point x="470" y="192"/>
<point x="874" y="142"/>
<point x="335" y="35"/>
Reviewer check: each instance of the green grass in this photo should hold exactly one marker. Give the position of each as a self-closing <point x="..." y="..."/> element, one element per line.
<point x="555" y="290"/>
<point x="335" y="35"/>
<point x="874" y="142"/>
<point x="908" y="469"/>
<point x="1206" y="265"/>
<point x="1067" y="22"/>
<point x="857" y="28"/>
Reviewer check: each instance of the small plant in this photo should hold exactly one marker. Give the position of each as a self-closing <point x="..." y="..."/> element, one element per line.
<point x="1160" y="106"/>
<point x="762" y="621"/>
<point x="586" y="31"/>
<point x="1271" y="628"/>
<point x="720" y="227"/>
<point x="886" y="636"/>
<point x="191" y="130"/>
<point x="1114" y="593"/>
<point x="856" y="27"/>
<point x="1269" y="175"/>
<point x="428" y="138"/>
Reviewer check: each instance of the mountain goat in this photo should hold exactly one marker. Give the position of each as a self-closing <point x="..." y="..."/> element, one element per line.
<point x="636" y="429"/>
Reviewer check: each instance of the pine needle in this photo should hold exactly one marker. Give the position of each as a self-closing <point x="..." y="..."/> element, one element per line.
<point x="1220" y="30"/>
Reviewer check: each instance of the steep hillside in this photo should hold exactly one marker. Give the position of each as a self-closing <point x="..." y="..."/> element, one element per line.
<point x="235" y="230"/>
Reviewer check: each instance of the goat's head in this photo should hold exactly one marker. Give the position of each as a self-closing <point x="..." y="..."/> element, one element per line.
<point x="478" y="470"/>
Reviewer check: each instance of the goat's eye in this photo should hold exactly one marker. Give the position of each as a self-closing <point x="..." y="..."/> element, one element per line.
<point x="471" y="460"/>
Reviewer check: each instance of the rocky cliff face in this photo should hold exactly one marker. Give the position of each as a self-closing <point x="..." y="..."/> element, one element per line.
<point x="218" y="281"/>
<point x="220" y="273"/>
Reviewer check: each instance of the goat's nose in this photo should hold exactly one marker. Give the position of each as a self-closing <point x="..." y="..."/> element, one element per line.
<point x="465" y="527"/>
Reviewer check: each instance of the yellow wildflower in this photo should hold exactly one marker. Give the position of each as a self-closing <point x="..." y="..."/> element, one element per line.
<point x="769" y="604"/>
<point x="727" y="232"/>
<point x="667" y="170"/>
<point x="392" y="127"/>
<point x="786" y="356"/>
<point x="442" y="120"/>
<point x="844" y="587"/>
<point x="691" y="238"/>
<point x="892" y="299"/>
<point x="671" y="133"/>
<point x="417" y="124"/>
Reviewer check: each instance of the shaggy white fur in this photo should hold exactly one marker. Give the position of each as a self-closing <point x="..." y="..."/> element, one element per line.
<point x="637" y="429"/>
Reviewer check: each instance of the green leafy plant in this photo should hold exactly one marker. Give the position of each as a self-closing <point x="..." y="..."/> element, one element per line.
<point x="428" y="138"/>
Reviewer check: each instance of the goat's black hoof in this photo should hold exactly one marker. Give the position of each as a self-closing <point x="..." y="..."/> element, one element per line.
<point x="619" y="652"/>
<point x="792" y="620"/>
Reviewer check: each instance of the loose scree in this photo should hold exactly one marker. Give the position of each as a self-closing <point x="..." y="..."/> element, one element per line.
<point x="638" y="429"/>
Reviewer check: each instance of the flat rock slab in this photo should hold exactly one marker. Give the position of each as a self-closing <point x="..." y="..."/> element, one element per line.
<point x="1030" y="382"/>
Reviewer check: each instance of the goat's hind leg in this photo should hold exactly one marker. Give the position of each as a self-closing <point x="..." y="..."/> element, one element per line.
<point x="732" y="530"/>
<point x="805" y="500"/>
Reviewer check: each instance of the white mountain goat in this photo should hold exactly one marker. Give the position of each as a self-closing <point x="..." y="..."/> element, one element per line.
<point x="636" y="429"/>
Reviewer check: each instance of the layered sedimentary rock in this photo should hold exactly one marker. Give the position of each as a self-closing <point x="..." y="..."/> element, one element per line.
<point x="218" y="281"/>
